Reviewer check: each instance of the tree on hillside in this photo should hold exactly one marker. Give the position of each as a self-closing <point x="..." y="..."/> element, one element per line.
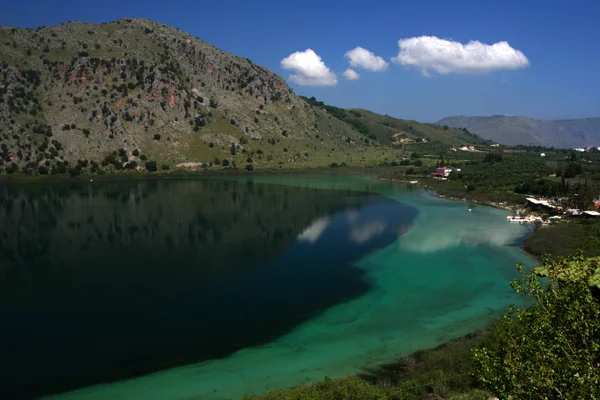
<point x="492" y="158"/>
<point x="551" y="349"/>
<point x="572" y="170"/>
<point x="151" y="166"/>
<point x="573" y="156"/>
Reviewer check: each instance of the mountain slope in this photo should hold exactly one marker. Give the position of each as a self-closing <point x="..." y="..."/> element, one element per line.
<point x="527" y="131"/>
<point x="389" y="131"/>
<point x="385" y="127"/>
<point x="119" y="94"/>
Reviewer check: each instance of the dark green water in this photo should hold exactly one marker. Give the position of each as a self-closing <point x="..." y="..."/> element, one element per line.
<point x="216" y="288"/>
<point x="102" y="282"/>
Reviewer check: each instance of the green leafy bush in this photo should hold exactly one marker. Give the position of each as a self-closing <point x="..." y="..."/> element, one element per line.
<point x="551" y="349"/>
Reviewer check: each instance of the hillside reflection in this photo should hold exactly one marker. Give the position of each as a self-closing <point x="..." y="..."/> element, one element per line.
<point x="209" y="223"/>
<point x="105" y="281"/>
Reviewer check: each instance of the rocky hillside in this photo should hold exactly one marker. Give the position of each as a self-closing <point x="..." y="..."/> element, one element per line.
<point x="135" y="94"/>
<point x="520" y="130"/>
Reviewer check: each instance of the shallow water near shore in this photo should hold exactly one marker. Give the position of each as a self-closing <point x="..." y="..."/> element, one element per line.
<point x="220" y="287"/>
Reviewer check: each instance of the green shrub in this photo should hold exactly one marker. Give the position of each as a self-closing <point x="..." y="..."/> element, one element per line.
<point x="552" y="348"/>
<point x="350" y="387"/>
<point x="492" y="158"/>
<point x="12" y="168"/>
<point x="151" y="166"/>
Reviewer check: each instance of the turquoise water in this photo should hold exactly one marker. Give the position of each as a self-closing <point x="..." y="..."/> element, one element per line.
<point x="445" y="273"/>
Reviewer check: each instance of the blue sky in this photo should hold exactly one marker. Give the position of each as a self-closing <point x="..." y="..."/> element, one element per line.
<point x="558" y="39"/>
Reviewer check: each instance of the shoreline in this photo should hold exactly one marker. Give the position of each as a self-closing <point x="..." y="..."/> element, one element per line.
<point x="502" y="206"/>
<point x="179" y="174"/>
<point x="377" y="173"/>
<point x="381" y="370"/>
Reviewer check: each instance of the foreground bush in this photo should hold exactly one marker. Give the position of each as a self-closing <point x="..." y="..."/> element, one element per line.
<point x="551" y="349"/>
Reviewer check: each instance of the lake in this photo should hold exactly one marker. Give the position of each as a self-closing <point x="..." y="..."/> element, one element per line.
<point x="213" y="288"/>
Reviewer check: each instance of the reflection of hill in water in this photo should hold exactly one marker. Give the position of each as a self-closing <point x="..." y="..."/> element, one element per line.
<point x="214" y="222"/>
<point x="111" y="280"/>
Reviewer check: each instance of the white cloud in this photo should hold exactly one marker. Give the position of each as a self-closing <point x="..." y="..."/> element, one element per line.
<point x="363" y="58"/>
<point x="430" y="53"/>
<point x="351" y="74"/>
<point x="308" y="69"/>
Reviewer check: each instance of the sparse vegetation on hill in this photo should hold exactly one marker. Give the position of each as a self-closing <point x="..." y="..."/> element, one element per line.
<point x="385" y="127"/>
<point x="389" y="131"/>
<point x="152" y="93"/>
<point x="82" y="91"/>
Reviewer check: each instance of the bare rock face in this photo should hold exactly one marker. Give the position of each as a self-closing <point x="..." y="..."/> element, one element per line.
<point x="113" y="95"/>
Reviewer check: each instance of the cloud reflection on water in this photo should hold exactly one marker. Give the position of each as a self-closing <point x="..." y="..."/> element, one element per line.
<point x="448" y="233"/>
<point x="360" y="229"/>
<point x="365" y="232"/>
<point x="314" y="231"/>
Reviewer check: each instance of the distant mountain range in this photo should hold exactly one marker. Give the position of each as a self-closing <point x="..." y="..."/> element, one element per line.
<point x="507" y="130"/>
